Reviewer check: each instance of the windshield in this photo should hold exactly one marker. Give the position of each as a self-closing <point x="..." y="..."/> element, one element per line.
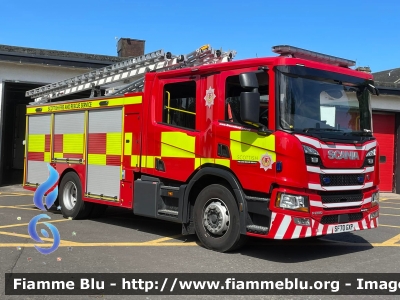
<point x="318" y="101"/>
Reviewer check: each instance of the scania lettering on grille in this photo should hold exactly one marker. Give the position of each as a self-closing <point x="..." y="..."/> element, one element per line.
<point x="339" y="154"/>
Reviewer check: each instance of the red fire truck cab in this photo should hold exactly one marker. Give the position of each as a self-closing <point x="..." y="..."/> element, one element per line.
<point x="277" y="148"/>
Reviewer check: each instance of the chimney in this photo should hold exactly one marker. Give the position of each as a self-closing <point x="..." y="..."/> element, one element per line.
<point x="130" y="47"/>
<point x="364" y="69"/>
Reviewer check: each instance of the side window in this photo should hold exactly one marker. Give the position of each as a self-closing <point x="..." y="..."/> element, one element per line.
<point x="232" y="98"/>
<point x="180" y="104"/>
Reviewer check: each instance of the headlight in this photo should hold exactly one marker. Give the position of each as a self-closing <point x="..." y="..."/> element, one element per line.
<point x="310" y="150"/>
<point x="372" y="152"/>
<point x="292" y="202"/>
<point x="375" y="198"/>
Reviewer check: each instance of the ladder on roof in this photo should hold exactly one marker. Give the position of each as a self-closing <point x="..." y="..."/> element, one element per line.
<point x="125" y="71"/>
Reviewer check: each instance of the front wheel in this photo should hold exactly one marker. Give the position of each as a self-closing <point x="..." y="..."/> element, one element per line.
<point x="70" y="195"/>
<point x="216" y="219"/>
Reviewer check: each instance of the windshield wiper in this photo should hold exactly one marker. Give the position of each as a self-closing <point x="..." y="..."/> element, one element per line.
<point x="321" y="129"/>
<point x="362" y="133"/>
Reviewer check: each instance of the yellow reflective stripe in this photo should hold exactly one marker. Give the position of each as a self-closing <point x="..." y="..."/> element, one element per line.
<point x="36" y="143"/>
<point x="113" y="143"/>
<point x="254" y="139"/>
<point x="97" y="159"/>
<point x="128" y="146"/>
<point x="134" y="160"/>
<point x="177" y="144"/>
<point x="58" y="155"/>
<point x="223" y="162"/>
<point x="73" y="143"/>
<point x="250" y="146"/>
<point x="85" y="135"/>
<point x="146" y="161"/>
<point x="122" y="141"/>
<point x="47" y="156"/>
<point x="84" y="105"/>
<point x="201" y="161"/>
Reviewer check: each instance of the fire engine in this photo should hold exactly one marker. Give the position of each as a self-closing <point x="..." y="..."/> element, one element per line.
<point x="278" y="147"/>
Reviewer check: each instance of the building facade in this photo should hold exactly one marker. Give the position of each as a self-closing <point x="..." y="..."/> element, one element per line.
<point x="23" y="69"/>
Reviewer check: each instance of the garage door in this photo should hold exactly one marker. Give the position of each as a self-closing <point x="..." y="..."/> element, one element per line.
<point x="384" y="125"/>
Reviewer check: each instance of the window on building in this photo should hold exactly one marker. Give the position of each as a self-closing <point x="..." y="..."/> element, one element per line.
<point x="180" y="104"/>
<point x="233" y="89"/>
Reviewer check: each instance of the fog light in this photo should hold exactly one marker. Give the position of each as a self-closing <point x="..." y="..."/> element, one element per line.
<point x="302" y="221"/>
<point x="370" y="161"/>
<point x="374" y="215"/>
<point x="375" y="199"/>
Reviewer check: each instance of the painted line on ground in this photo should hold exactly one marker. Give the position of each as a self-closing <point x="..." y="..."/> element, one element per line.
<point x="26" y="224"/>
<point x="16" y="194"/>
<point x="389" y="207"/>
<point x="389" y="226"/>
<point x="396" y="203"/>
<point x="15" y="207"/>
<point x="189" y="244"/>
<point x="129" y="244"/>
<point x="392" y="241"/>
<point x="28" y="237"/>
<point x="160" y="240"/>
<point x="389" y="215"/>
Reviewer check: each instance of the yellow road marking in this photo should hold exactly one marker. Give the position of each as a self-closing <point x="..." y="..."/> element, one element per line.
<point x="392" y="241"/>
<point x="25" y="205"/>
<point x="17" y="194"/>
<point x="28" y="236"/>
<point x="392" y="202"/>
<point x="389" y="226"/>
<point x="389" y="207"/>
<point x="190" y="244"/>
<point x="157" y="241"/>
<point x="15" y="207"/>
<point x="73" y="244"/>
<point x="26" y="224"/>
<point x="389" y="215"/>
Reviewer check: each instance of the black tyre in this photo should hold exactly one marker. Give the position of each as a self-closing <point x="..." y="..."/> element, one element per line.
<point x="70" y="197"/>
<point x="216" y="219"/>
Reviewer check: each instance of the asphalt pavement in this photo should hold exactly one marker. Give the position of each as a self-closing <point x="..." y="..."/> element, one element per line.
<point x="120" y="242"/>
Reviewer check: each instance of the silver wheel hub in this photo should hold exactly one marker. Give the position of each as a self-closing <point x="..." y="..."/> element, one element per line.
<point x="216" y="218"/>
<point x="70" y="195"/>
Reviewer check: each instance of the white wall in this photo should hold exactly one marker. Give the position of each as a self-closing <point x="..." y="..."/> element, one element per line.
<point x="385" y="102"/>
<point x="37" y="73"/>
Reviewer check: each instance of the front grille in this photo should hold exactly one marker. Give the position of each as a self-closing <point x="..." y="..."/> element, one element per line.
<point x="334" y="219"/>
<point x="342" y="208"/>
<point x="341" y="179"/>
<point x="339" y="198"/>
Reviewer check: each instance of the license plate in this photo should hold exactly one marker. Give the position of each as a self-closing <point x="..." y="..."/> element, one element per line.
<point x="343" y="228"/>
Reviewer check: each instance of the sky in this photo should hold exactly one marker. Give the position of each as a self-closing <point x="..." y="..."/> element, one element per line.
<point x="365" y="31"/>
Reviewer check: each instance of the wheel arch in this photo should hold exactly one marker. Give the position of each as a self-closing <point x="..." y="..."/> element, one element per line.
<point x="212" y="175"/>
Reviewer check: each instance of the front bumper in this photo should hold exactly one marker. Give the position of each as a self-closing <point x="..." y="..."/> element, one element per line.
<point x="284" y="227"/>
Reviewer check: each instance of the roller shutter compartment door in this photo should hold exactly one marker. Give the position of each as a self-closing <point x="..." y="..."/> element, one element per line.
<point x="104" y="153"/>
<point x="38" y="149"/>
<point x="69" y="131"/>
<point x="384" y="125"/>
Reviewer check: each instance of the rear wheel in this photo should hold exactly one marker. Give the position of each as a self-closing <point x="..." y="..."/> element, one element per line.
<point x="216" y="219"/>
<point x="70" y="197"/>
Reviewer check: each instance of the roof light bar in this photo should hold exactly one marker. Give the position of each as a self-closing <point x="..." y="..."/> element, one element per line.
<point x="284" y="50"/>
